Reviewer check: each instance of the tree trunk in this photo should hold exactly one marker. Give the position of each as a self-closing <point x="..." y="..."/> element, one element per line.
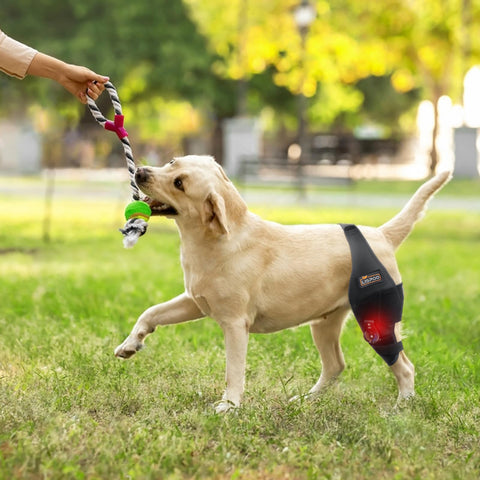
<point x="216" y="140"/>
<point x="434" y="150"/>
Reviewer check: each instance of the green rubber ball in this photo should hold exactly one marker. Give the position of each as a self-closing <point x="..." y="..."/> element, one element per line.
<point x="138" y="209"/>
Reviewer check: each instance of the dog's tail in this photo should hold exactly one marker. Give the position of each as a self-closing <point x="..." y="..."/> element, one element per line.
<point x="399" y="227"/>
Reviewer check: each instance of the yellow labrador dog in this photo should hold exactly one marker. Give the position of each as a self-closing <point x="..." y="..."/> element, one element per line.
<point x="255" y="276"/>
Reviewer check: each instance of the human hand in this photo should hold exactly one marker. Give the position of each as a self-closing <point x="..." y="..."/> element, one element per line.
<point x="81" y="81"/>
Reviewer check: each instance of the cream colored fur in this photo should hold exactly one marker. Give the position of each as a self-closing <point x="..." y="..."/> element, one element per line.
<point x="257" y="276"/>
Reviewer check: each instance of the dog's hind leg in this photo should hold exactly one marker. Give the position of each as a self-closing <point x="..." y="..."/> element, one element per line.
<point x="404" y="372"/>
<point x="326" y="335"/>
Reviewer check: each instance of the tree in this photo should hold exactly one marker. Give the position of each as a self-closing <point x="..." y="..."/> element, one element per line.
<point x="430" y="44"/>
<point x="254" y="37"/>
<point x="150" y="48"/>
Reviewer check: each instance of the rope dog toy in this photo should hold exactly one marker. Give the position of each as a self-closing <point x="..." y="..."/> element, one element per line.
<point x="137" y="212"/>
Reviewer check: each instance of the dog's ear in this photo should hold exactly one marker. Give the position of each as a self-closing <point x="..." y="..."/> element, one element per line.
<point x="214" y="214"/>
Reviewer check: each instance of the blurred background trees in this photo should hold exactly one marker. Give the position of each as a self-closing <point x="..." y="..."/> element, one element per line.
<point x="182" y="67"/>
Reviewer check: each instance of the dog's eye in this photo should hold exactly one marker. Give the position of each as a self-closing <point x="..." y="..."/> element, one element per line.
<point x="178" y="184"/>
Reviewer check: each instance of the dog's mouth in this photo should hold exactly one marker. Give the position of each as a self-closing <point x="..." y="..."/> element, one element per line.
<point x="160" y="208"/>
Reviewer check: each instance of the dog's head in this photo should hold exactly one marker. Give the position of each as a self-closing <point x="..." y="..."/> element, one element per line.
<point x="192" y="189"/>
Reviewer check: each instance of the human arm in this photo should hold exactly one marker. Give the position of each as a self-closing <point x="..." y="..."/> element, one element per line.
<point x="15" y="57"/>
<point x="79" y="81"/>
<point x="19" y="60"/>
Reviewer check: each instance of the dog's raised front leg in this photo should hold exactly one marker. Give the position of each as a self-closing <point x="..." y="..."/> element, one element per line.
<point x="179" y="309"/>
<point x="236" y="342"/>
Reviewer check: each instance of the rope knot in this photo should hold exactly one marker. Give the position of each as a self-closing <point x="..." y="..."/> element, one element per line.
<point x="132" y="231"/>
<point x="117" y="126"/>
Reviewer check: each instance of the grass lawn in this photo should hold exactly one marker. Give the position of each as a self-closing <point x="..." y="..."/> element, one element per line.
<point x="70" y="409"/>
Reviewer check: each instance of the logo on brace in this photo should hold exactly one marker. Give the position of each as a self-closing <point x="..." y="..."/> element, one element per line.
<point x="370" y="279"/>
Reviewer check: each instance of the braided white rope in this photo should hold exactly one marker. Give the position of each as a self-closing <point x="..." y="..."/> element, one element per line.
<point x="101" y="120"/>
<point x="135" y="227"/>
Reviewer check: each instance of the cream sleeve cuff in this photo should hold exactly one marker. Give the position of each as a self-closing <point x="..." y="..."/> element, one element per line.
<point x="15" y="57"/>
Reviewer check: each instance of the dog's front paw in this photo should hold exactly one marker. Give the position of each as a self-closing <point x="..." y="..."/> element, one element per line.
<point x="224" y="406"/>
<point x="128" y="348"/>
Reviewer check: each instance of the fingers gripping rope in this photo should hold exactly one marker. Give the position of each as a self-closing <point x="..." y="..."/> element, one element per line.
<point x="138" y="212"/>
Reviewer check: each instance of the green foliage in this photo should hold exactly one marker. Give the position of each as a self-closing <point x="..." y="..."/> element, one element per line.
<point x="150" y="49"/>
<point x="155" y="53"/>
<point x="183" y="65"/>
<point x="384" y="105"/>
<point x="332" y="103"/>
<point x="114" y="36"/>
<point x="72" y="410"/>
<point x="433" y="41"/>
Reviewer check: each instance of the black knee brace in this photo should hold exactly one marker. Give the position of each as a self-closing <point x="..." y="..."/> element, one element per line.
<point x="376" y="301"/>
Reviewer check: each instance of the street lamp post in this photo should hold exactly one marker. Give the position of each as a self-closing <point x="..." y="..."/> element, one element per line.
<point x="304" y="15"/>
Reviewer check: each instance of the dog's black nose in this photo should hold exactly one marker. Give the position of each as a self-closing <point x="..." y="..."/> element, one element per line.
<point x="141" y="175"/>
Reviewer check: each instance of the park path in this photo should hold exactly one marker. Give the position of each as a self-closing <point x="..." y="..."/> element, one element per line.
<point x="355" y="199"/>
<point x="15" y="187"/>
